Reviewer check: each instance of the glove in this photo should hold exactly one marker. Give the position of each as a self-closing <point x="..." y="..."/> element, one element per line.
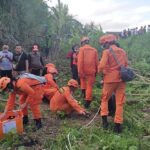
<point x="82" y="112"/>
<point x="85" y="113"/>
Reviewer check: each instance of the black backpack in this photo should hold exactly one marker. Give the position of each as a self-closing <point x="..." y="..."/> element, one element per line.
<point x="127" y="74"/>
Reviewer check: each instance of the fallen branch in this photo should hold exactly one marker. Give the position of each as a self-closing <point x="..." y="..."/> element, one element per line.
<point x="138" y="95"/>
<point x="144" y="79"/>
<point x="3" y="100"/>
<point x="139" y="83"/>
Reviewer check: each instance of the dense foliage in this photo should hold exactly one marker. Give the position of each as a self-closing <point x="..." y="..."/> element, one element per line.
<point x="137" y="48"/>
<point x="20" y="21"/>
<point x="32" y="21"/>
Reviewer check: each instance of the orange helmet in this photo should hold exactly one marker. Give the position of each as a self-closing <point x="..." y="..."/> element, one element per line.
<point x="50" y="65"/>
<point x="73" y="83"/>
<point x="85" y="39"/>
<point x="52" y="70"/>
<point x="4" y="82"/>
<point x="107" y="38"/>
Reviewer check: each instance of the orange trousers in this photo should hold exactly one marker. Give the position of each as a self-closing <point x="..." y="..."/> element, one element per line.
<point x="87" y="83"/>
<point x="119" y="90"/>
<point x="35" y="108"/>
<point x="49" y="92"/>
<point x="66" y="108"/>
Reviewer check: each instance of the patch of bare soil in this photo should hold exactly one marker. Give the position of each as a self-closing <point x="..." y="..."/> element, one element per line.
<point x="35" y="139"/>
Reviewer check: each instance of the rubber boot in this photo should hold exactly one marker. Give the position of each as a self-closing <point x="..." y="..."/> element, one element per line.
<point x="105" y="122"/>
<point x="38" y="123"/>
<point x="87" y="103"/>
<point x="83" y="93"/>
<point x="117" y="128"/>
<point x="25" y="120"/>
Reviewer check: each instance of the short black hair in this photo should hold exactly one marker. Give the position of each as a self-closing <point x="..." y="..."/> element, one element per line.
<point x="85" y="42"/>
<point x="74" y="46"/>
<point x="34" y="45"/>
<point x="18" y="45"/>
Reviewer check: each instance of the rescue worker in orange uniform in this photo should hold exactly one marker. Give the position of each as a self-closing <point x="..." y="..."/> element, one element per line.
<point x="63" y="99"/>
<point x="87" y="69"/>
<point x="50" y="69"/>
<point x="112" y="80"/>
<point x="30" y="89"/>
<point x="51" y="87"/>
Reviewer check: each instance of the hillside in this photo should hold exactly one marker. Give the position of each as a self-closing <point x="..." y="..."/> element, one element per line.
<point x="80" y="133"/>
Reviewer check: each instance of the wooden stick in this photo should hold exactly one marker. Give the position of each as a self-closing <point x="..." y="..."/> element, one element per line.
<point x="3" y="100"/>
<point x="137" y="94"/>
<point x="138" y="83"/>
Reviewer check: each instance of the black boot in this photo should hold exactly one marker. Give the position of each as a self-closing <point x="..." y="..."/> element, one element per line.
<point x="117" y="128"/>
<point x="105" y="122"/>
<point x="87" y="104"/>
<point x="38" y="123"/>
<point x="83" y="93"/>
<point x="25" y="120"/>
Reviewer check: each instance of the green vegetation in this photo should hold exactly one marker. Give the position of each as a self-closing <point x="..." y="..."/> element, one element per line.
<point x="137" y="48"/>
<point x="20" y="21"/>
<point x="61" y="30"/>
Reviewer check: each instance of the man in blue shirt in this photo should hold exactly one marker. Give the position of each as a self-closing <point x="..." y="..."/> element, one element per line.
<point x="6" y="58"/>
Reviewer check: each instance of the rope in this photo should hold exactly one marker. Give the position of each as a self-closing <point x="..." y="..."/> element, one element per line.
<point x="69" y="141"/>
<point x="86" y="125"/>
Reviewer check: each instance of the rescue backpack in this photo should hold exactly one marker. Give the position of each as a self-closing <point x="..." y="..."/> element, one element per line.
<point x="42" y="80"/>
<point x="127" y="74"/>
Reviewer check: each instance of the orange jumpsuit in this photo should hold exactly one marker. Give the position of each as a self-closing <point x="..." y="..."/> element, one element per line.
<point x="87" y="68"/>
<point x="50" y="88"/>
<point x="112" y="81"/>
<point x="29" y="92"/>
<point x="64" y="101"/>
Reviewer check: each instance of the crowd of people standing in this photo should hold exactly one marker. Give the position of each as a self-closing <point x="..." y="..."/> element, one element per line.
<point x="19" y="61"/>
<point x="134" y="31"/>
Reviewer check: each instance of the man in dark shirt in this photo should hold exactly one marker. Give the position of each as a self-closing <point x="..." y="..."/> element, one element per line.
<point x="36" y="63"/>
<point x="20" y="60"/>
